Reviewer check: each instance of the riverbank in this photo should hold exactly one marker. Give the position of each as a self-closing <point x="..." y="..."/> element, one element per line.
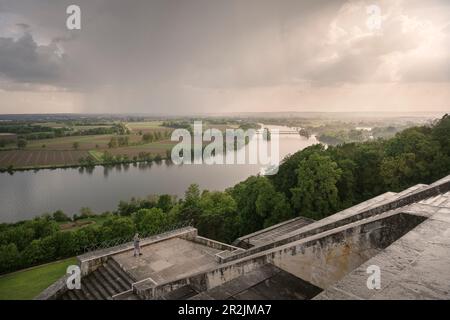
<point x="94" y="164"/>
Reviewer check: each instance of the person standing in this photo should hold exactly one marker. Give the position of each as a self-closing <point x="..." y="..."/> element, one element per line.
<point x="137" y="245"/>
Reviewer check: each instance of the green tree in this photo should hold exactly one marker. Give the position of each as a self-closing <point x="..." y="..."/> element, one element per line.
<point x="441" y="133"/>
<point x="368" y="157"/>
<point x="218" y="216"/>
<point x="43" y="227"/>
<point x="113" y="143"/>
<point x="165" y="202"/>
<point x="21" y="143"/>
<point x="158" y="158"/>
<point x="416" y="152"/>
<point x="86" y="212"/>
<point x="147" y="137"/>
<point x="60" y="216"/>
<point x="65" y="244"/>
<point x="151" y="221"/>
<point x="316" y="194"/>
<point x="9" y="258"/>
<point x="117" y="227"/>
<point x="285" y="180"/>
<point x="190" y="209"/>
<point x="397" y="171"/>
<point x="347" y="182"/>
<point x="259" y="204"/>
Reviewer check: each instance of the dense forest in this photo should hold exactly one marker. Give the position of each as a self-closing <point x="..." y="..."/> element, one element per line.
<point x="314" y="183"/>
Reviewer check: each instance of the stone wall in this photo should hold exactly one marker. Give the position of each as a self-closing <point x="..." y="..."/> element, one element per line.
<point x="326" y="260"/>
<point x="320" y="260"/>
<point x="317" y="228"/>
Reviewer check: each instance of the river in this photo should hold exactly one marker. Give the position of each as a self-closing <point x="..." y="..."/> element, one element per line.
<point x="27" y="194"/>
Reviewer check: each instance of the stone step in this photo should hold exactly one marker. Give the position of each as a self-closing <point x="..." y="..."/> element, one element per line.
<point x="79" y="294"/>
<point x="117" y="276"/>
<point x="101" y="284"/>
<point x="95" y="294"/>
<point x="109" y="290"/>
<point x="123" y="275"/>
<point x="71" y="295"/>
<point x="102" y="272"/>
<point x="99" y="287"/>
<point x="85" y="293"/>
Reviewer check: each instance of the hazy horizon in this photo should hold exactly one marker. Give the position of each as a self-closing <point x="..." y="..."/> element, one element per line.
<point x="202" y="57"/>
<point x="337" y="115"/>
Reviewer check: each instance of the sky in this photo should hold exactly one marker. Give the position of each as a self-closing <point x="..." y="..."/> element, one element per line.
<point x="180" y="57"/>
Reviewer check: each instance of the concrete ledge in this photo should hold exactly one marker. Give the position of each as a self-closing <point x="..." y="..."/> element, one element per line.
<point x="214" y="244"/>
<point x="91" y="261"/>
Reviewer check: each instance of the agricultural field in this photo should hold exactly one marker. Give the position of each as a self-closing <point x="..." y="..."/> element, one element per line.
<point x="153" y="148"/>
<point x="40" y="158"/>
<point x="68" y="150"/>
<point x="146" y="127"/>
<point x="84" y="142"/>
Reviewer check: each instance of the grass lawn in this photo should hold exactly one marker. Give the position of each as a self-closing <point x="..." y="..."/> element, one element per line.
<point x="67" y="142"/>
<point x="27" y="284"/>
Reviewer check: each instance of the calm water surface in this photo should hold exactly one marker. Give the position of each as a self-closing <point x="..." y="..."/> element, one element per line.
<point x="27" y="194"/>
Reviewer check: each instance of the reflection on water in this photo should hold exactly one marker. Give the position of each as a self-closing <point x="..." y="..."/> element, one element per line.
<point x="26" y="194"/>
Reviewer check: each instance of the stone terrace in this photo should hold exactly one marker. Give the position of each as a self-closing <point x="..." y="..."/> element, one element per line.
<point x="406" y="234"/>
<point x="165" y="260"/>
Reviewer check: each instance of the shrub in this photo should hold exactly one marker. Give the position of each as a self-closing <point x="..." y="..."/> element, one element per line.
<point x="60" y="216"/>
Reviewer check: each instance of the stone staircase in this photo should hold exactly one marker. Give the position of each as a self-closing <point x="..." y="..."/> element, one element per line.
<point x="271" y="233"/>
<point x="102" y="284"/>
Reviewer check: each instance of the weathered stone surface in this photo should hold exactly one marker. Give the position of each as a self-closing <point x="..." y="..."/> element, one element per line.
<point x="406" y="234"/>
<point x="265" y="283"/>
<point x="414" y="267"/>
<point x="166" y="260"/>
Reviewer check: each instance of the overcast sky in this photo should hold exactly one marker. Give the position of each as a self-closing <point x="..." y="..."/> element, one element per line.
<point x="217" y="56"/>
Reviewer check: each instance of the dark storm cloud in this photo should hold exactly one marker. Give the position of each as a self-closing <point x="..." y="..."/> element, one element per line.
<point x="23" y="60"/>
<point x="24" y="26"/>
<point x="140" y="55"/>
<point x="196" y="42"/>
